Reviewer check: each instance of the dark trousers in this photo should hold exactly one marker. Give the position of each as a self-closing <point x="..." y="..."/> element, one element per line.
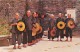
<point x="33" y="37"/>
<point x="68" y="32"/>
<point x="16" y="37"/>
<point x="25" y="37"/>
<point x="41" y="34"/>
<point x="49" y="35"/>
<point x="37" y="36"/>
<point x="29" y="36"/>
<point x="59" y="33"/>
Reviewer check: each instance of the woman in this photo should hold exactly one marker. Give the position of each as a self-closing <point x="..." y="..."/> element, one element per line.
<point x="16" y="35"/>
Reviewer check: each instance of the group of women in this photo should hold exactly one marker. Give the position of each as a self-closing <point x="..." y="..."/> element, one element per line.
<point x="31" y="21"/>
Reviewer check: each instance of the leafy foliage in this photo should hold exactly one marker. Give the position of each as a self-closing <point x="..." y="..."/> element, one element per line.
<point x="4" y="27"/>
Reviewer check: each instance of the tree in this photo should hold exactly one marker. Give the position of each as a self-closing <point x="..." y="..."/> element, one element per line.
<point x="27" y="6"/>
<point x="41" y="7"/>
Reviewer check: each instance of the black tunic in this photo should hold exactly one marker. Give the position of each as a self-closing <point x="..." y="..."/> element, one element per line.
<point x="14" y="28"/>
<point x="28" y="22"/>
<point x="66" y="21"/>
<point x="58" y="20"/>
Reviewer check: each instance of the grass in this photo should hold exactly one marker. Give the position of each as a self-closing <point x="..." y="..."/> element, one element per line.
<point x="4" y="27"/>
